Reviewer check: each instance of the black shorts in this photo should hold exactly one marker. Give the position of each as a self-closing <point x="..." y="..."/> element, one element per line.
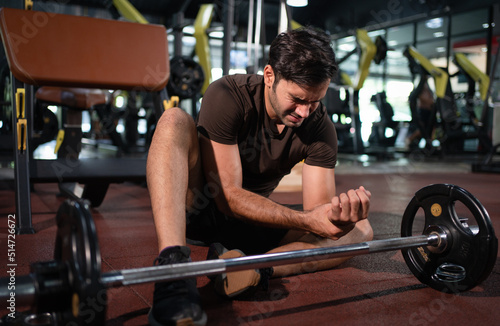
<point x="209" y="225"/>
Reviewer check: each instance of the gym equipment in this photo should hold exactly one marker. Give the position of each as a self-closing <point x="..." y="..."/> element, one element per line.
<point x="450" y="255"/>
<point x="202" y="48"/>
<point x="368" y="51"/>
<point x="186" y="78"/>
<point x="458" y="269"/>
<point x="454" y="134"/>
<point x="115" y="66"/>
<point x="480" y="124"/>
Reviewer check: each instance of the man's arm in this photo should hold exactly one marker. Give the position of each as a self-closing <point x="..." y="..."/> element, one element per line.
<point x="318" y="186"/>
<point x="222" y="168"/>
<point x="318" y="191"/>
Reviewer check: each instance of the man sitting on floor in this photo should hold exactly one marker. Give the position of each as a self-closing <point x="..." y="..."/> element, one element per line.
<point x="212" y="179"/>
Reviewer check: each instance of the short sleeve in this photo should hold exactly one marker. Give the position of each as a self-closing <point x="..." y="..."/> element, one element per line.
<point x="323" y="148"/>
<point x="222" y="112"/>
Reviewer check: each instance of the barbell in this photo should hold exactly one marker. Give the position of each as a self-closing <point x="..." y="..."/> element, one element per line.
<point x="452" y="254"/>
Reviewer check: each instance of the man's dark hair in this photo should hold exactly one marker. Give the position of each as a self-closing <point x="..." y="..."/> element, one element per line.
<point x="303" y="56"/>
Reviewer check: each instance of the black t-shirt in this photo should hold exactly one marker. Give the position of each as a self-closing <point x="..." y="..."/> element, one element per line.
<point x="233" y="112"/>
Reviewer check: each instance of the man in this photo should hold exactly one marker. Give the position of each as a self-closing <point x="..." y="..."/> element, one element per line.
<point x="251" y="130"/>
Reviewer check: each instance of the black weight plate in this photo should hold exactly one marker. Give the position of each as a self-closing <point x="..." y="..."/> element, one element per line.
<point x="186" y="77"/>
<point x="468" y="258"/>
<point x="77" y="245"/>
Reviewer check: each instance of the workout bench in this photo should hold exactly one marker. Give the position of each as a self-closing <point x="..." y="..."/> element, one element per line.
<point x="49" y="49"/>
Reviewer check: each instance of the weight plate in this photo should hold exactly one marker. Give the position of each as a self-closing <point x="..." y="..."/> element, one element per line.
<point x="186" y="78"/>
<point x="470" y="252"/>
<point x="77" y="246"/>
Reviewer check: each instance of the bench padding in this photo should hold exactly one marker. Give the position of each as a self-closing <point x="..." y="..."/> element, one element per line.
<point x="62" y="50"/>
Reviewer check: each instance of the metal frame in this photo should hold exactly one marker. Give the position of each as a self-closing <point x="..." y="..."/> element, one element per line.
<point x="22" y="102"/>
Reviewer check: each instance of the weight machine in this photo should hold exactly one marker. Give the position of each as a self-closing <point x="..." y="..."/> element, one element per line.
<point x="89" y="178"/>
<point x="90" y="38"/>
<point x="368" y="51"/>
<point x="453" y="133"/>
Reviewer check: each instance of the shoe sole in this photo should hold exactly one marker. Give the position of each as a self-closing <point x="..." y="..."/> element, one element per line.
<point x="235" y="283"/>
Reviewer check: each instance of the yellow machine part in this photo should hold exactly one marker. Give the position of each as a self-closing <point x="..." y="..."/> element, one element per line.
<point x="21" y="123"/>
<point x="295" y="25"/>
<point x="59" y="140"/>
<point x="173" y="102"/>
<point x="28" y="4"/>
<point x="480" y="77"/>
<point x="128" y="11"/>
<point x="439" y="75"/>
<point x="345" y="79"/>
<point x="202" y="49"/>
<point x="368" y="51"/>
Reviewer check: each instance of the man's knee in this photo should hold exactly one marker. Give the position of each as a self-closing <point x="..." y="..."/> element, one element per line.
<point x="175" y="118"/>
<point x="175" y="126"/>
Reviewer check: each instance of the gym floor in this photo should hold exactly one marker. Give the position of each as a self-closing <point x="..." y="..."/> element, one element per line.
<point x="376" y="289"/>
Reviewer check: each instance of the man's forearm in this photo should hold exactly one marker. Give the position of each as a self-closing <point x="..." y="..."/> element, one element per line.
<point x="332" y="220"/>
<point x="251" y="207"/>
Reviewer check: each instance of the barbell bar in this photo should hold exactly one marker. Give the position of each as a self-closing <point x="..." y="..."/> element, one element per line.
<point x="219" y="266"/>
<point x="450" y="255"/>
<point x="172" y="272"/>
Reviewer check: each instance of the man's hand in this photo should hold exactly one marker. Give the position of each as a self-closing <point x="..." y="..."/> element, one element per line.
<point x="340" y="216"/>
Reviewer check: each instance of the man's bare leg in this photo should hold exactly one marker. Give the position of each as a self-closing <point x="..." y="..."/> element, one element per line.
<point x="297" y="241"/>
<point x="173" y="169"/>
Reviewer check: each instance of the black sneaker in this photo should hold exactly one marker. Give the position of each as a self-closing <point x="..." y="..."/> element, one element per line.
<point x="234" y="284"/>
<point x="177" y="302"/>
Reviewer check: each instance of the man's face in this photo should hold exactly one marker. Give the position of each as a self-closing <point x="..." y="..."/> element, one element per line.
<point x="289" y="103"/>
